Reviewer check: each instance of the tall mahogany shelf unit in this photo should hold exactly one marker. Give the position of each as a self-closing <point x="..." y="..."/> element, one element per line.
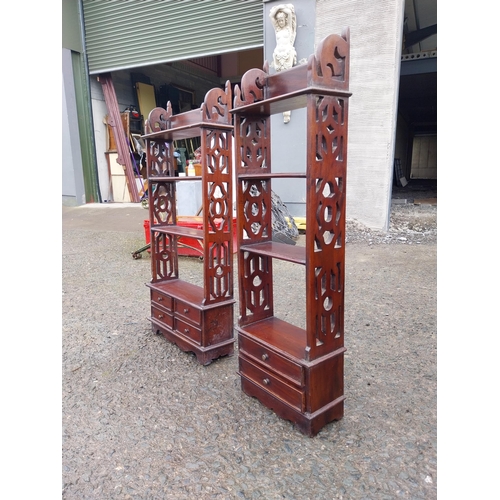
<point x="298" y="373"/>
<point x="198" y="318"/>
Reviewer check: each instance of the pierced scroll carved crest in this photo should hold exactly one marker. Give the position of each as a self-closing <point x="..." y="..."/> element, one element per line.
<point x="217" y="105"/>
<point x="252" y="87"/>
<point x="158" y="119"/>
<point x="330" y="63"/>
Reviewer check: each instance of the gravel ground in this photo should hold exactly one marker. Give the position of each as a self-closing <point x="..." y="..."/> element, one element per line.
<point x="143" y="420"/>
<point x="410" y="224"/>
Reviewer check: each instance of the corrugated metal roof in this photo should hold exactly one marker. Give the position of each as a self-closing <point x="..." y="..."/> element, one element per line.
<point x="123" y="34"/>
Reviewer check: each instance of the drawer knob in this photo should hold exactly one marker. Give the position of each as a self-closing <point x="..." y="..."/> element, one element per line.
<point x="186" y="311"/>
<point x="265" y="357"/>
<point x="160" y="299"/>
<point x="186" y="330"/>
<point x="160" y="316"/>
<point x="266" y="381"/>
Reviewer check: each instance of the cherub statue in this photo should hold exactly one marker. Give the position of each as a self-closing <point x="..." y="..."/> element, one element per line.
<point x="285" y="25"/>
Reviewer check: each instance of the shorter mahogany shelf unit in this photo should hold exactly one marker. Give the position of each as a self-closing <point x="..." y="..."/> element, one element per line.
<point x="197" y="317"/>
<point x="299" y="373"/>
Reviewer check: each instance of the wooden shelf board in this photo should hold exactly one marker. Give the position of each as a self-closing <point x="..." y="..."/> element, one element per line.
<point x="287" y="102"/>
<point x="282" y="251"/>
<point x="185" y="131"/>
<point x="180" y="231"/>
<point x="163" y="178"/>
<point x="187" y="292"/>
<point x="180" y="289"/>
<point x="270" y="175"/>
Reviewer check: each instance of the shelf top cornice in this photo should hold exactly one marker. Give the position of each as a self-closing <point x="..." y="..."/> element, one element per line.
<point x="326" y="72"/>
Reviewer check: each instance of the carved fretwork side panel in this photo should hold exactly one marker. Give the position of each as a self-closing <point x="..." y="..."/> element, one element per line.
<point x="254" y="151"/>
<point x="162" y="202"/>
<point x="217" y="190"/>
<point x="253" y="141"/>
<point x="217" y="147"/>
<point x="254" y="217"/>
<point x="164" y="263"/>
<point x="160" y="160"/>
<point x="256" y="298"/>
<point x="254" y="223"/>
<point x="218" y="276"/>
<point x="254" y="209"/>
<point x="327" y="159"/>
<point x="162" y="208"/>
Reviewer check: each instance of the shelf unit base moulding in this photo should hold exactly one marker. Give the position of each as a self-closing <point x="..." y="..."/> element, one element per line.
<point x="178" y="314"/>
<point x="204" y="355"/>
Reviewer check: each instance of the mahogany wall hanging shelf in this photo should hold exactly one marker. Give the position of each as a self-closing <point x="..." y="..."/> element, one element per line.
<point x="298" y="373"/>
<point x="197" y="317"/>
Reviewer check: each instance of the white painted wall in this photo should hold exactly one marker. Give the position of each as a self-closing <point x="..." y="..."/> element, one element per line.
<point x="376" y="41"/>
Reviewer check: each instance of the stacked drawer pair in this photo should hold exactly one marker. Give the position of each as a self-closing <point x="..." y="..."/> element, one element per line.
<point x="175" y="315"/>
<point x="273" y="372"/>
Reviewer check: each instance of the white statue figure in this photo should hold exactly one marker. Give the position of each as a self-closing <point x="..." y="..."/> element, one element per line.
<point x="284" y="55"/>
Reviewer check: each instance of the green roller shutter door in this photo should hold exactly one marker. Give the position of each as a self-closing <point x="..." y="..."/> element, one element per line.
<point x="124" y="34"/>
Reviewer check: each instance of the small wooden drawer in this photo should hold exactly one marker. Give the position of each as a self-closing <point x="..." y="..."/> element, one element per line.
<point x="272" y="384"/>
<point x="188" y="330"/>
<point x="267" y="357"/>
<point x="187" y="311"/>
<point x="164" y="301"/>
<point x="162" y="317"/>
